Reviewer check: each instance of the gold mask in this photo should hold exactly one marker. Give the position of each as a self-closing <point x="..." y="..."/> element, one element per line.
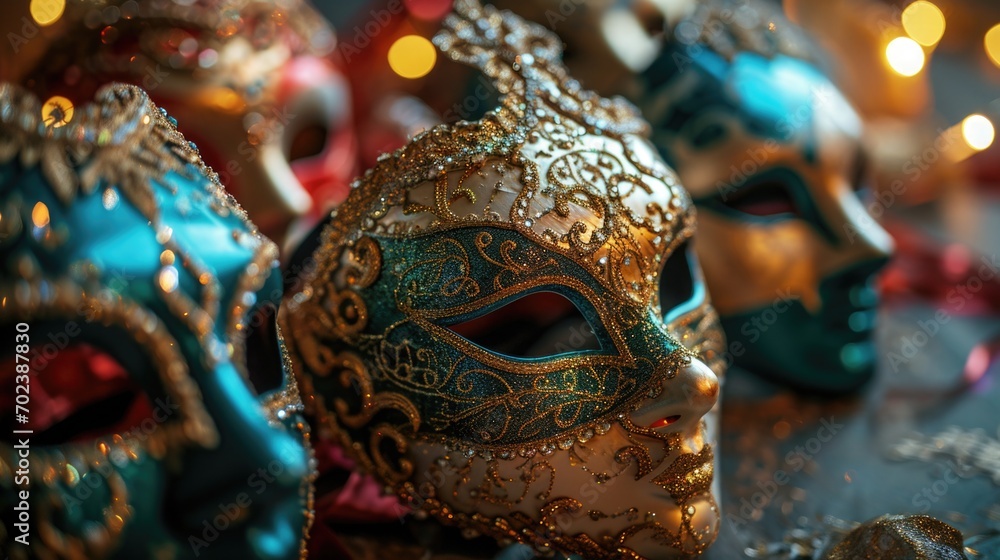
<point x="556" y="194"/>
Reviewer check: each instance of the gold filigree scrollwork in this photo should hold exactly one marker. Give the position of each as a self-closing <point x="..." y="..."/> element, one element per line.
<point x="437" y="283"/>
<point x="395" y="472"/>
<point x="354" y="375"/>
<point x="347" y="313"/>
<point x="366" y="263"/>
<point x="513" y="266"/>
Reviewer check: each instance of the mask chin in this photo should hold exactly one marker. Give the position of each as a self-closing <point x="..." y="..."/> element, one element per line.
<point x="831" y="350"/>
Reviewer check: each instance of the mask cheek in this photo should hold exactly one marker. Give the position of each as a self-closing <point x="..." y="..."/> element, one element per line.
<point x="764" y="257"/>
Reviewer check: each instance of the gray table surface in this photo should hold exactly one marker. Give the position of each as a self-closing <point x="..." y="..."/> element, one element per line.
<point x="851" y="476"/>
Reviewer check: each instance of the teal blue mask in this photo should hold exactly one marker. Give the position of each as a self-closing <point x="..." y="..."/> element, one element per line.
<point x="137" y="280"/>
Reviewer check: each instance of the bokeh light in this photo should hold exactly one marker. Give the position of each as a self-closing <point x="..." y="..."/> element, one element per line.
<point x="168" y="279"/>
<point x="40" y="215"/>
<point x="992" y="43"/>
<point x="57" y="111"/>
<point x="905" y="56"/>
<point x="924" y="22"/>
<point x="978" y="363"/>
<point x="412" y="56"/>
<point x="978" y="132"/>
<point x="46" y="12"/>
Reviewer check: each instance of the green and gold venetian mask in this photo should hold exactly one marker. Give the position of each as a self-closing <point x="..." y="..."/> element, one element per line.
<point x="429" y="336"/>
<point x="162" y="422"/>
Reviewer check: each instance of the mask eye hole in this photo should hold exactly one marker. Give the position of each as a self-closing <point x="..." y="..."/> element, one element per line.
<point x="538" y="325"/>
<point x="861" y="176"/>
<point x="765" y="199"/>
<point x="262" y="352"/>
<point x="308" y="141"/>
<point x="679" y="283"/>
<point x="79" y="394"/>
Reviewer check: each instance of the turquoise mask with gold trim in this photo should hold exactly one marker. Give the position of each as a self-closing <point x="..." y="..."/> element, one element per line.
<point x="149" y="301"/>
<point x="427" y="336"/>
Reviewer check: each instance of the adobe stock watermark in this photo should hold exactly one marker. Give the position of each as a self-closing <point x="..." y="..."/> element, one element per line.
<point x="929" y="495"/>
<point x="563" y="11"/>
<point x="484" y="92"/>
<point x="958" y="297"/>
<point x="29" y="30"/>
<point x="351" y="45"/>
<point x="795" y="460"/>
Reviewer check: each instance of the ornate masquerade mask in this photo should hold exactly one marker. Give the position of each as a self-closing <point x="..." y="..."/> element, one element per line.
<point x="770" y="150"/>
<point x="138" y="282"/>
<point x="406" y="333"/>
<point x="249" y="81"/>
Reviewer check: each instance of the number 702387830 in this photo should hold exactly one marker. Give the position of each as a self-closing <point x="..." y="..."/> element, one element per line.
<point x="22" y="378"/>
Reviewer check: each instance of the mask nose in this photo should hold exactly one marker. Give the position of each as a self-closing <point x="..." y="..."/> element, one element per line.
<point x="255" y="467"/>
<point x="685" y="400"/>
